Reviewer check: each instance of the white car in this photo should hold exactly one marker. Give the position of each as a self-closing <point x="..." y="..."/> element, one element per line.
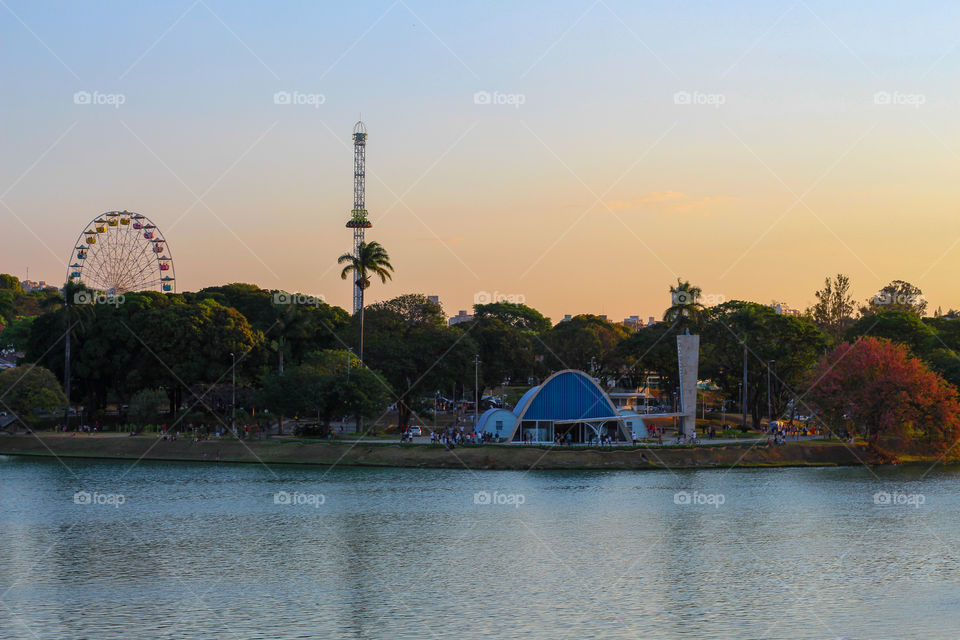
<point x="416" y="431"/>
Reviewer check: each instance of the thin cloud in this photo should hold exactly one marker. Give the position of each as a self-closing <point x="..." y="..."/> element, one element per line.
<point x="671" y="202"/>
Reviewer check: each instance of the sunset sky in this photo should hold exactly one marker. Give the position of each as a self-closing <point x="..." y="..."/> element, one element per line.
<point x="753" y="148"/>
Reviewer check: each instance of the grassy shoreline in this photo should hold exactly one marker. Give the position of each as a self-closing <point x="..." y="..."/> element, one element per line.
<point x="394" y="454"/>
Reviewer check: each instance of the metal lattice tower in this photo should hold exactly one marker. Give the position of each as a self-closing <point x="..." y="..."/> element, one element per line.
<point x="358" y="218"/>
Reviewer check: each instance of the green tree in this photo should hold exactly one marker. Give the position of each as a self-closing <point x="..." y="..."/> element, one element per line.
<point x="649" y="350"/>
<point x="75" y="309"/>
<point x="7" y="307"/>
<point x="10" y="283"/>
<point x="834" y="309"/>
<point x="897" y="325"/>
<point x="786" y="344"/>
<point x="27" y="389"/>
<point x="16" y="334"/>
<point x="146" y="405"/>
<point x="897" y="296"/>
<point x="505" y="350"/>
<point x="584" y="342"/>
<point x="371" y="261"/>
<point x="516" y="315"/>
<point x="417" y="352"/>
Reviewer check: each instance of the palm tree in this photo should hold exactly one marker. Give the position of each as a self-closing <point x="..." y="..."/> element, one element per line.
<point x="371" y="261"/>
<point x="289" y="322"/>
<point x="75" y="302"/>
<point x="686" y="306"/>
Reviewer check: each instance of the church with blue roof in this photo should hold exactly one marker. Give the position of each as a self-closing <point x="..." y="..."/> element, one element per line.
<point x="569" y="405"/>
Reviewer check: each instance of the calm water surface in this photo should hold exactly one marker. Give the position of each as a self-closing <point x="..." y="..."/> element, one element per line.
<point x="218" y="551"/>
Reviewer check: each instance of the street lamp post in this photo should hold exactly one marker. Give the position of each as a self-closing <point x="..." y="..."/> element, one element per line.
<point x="476" y="388"/>
<point x="769" y="399"/>
<point x="745" y="390"/>
<point x="233" y="395"/>
<point x="740" y="400"/>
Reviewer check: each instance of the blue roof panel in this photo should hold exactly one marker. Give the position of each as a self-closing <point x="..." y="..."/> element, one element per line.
<point x="569" y="395"/>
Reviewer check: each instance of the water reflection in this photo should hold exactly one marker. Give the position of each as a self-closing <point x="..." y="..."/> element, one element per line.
<point x="199" y="551"/>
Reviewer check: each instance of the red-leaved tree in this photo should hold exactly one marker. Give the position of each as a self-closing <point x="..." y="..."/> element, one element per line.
<point x="875" y="388"/>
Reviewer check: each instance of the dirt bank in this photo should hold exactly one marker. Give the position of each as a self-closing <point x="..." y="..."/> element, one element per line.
<point x="430" y="456"/>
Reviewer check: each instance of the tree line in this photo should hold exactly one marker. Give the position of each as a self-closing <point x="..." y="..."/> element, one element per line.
<point x="294" y="355"/>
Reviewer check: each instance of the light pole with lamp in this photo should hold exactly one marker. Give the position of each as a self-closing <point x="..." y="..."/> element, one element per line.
<point x="476" y="388"/>
<point x="769" y="397"/>
<point x="233" y="395"/>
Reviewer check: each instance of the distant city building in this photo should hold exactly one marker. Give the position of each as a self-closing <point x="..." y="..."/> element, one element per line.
<point x="634" y="323"/>
<point x="783" y="309"/>
<point x="566" y="317"/>
<point x="434" y="299"/>
<point x="33" y="285"/>
<point x="463" y="316"/>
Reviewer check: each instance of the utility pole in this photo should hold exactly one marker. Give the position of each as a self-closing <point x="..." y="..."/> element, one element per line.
<point x="349" y="358"/>
<point x="744" y="399"/>
<point x="233" y="399"/>
<point x="476" y="388"/>
<point x="769" y="399"/>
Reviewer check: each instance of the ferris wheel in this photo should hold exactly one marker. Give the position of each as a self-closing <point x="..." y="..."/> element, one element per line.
<point x="120" y="251"/>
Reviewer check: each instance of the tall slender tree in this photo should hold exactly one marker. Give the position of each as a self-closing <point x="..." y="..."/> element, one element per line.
<point x="835" y="307"/>
<point x="372" y="260"/>
<point x="75" y="306"/>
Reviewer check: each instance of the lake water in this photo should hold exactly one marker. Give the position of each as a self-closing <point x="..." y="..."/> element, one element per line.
<point x="95" y="549"/>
